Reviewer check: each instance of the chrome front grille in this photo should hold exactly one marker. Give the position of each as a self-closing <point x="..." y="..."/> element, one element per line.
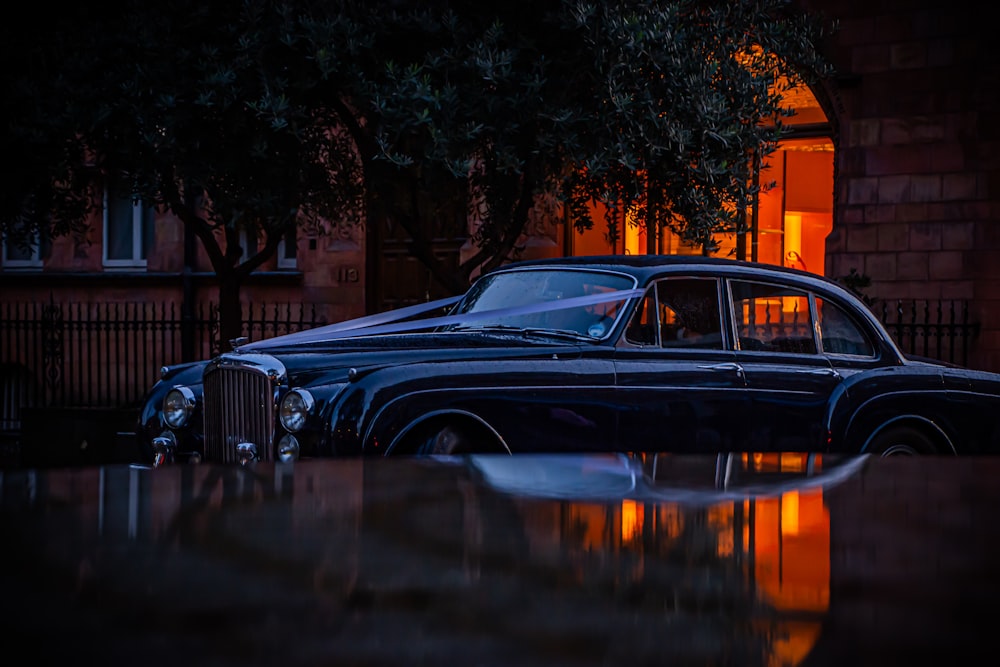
<point x="239" y="405"/>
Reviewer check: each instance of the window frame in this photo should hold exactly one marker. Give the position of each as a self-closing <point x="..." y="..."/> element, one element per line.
<point x="284" y="261"/>
<point x="138" y="260"/>
<point x="33" y="262"/>
<point x="767" y="345"/>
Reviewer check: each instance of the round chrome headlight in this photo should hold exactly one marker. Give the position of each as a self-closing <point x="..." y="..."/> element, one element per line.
<point x="295" y="408"/>
<point x="178" y="405"/>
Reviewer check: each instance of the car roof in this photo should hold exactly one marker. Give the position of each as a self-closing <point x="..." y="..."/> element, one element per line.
<point x="644" y="266"/>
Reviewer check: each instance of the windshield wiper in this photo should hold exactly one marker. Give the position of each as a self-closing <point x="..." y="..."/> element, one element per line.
<point x="559" y="333"/>
<point x="527" y="331"/>
<point x="506" y="328"/>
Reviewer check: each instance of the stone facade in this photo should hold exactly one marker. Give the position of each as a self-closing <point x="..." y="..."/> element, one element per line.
<point x="917" y="186"/>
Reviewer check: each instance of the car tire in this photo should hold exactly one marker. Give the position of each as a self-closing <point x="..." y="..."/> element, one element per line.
<point x="900" y="441"/>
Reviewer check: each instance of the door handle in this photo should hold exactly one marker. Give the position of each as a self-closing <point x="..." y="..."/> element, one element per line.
<point x="830" y="372"/>
<point x="724" y="367"/>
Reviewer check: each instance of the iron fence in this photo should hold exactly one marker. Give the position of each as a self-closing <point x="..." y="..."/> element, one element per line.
<point x="107" y="355"/>
<point x="936" y="329"/>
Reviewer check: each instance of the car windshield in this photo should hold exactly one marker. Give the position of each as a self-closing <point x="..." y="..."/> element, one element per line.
<point x="533" y="300"/>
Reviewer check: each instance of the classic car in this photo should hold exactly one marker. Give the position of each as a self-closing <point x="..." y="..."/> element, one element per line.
<point x="581" y="354"/>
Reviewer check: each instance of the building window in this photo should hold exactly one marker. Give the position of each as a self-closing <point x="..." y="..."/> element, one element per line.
<point x="788" y="222"/>
<point x="128" y="231"/>
<point x="286" y="250"/>
<point x="249" y="244"/>
<point x="18" y="257"/>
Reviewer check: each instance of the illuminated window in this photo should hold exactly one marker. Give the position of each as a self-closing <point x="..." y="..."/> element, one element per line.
<point x="788" y="223"/>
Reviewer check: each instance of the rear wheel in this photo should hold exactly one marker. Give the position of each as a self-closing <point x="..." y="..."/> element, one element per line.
<point x="901" y="441"/>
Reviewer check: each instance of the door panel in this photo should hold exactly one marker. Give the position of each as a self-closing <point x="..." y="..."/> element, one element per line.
<point x="681" y="386"/>
<point x="681" y="401"/>
<point x="790" y="383"/>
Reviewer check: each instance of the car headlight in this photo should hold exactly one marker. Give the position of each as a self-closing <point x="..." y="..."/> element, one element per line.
<point x="295" y="409"/>
<point x="178" y="405"/>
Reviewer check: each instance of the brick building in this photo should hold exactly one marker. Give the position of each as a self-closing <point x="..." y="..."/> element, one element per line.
<point x="913" y="110"/>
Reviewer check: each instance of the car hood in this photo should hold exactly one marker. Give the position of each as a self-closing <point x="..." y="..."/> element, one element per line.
<point x="367" y="353"/>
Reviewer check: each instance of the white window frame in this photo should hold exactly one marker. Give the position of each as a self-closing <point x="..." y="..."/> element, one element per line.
<point x="137" y="261"/>
<point x="33" y="262"/>
<point x="245" y="246"/>
<point x="284" y="261"/>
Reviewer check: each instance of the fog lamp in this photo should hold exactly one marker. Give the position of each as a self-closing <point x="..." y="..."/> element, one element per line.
<point x="288" y="449"/>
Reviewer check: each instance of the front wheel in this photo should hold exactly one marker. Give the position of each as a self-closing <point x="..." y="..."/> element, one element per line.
<point x="900" y="441"/>
<point x="448" y="441"/>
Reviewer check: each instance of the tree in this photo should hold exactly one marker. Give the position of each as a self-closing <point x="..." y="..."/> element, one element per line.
<point x="695" y="95"/>
<point x="201" y="109"/>
<point x="661" y="109"/>
<point x="262" y="115"/>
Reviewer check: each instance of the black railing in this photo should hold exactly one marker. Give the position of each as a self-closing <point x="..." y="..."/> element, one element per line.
<point x="108" y="354"/>
<point x="936" y="329"/>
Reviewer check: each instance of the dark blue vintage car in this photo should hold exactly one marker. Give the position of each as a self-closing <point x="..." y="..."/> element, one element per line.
<point x="618" y="353"/>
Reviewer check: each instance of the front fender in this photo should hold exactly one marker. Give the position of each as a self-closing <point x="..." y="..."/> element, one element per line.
<point x="150" y="421"/>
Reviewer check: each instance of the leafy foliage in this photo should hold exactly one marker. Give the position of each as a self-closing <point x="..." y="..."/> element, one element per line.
<point x="858" y="283"/>
<point x="262" y="115"/>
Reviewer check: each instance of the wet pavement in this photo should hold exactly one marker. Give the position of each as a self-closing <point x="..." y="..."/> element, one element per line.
<point x="778" y="559"/>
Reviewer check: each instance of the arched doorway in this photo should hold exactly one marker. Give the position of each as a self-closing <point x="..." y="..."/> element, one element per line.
<point x="790" y="220"/>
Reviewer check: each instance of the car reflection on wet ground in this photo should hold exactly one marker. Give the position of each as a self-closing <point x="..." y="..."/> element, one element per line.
<point x="751" y="559"/>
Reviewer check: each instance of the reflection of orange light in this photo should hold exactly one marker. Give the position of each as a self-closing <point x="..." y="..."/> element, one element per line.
<point x="792" y="462"/>
<point x="631" y="520"/>
<point x="790" y="513"/>
<point x="782" y="462"/>
<point x="720" y="517"/>
<point x="669" y="521"/>
<point x="591" y="520"/>
<point x="792" y="549"/>
<point x="792" y="565"/>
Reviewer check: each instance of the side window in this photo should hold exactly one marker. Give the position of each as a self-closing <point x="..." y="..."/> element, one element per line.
<point x="689" y="313"/>
<point x="838" y="332"/>
<point x="642" y="328"/>
<point x="772" y="318"/>
<point x="128" y="231"/>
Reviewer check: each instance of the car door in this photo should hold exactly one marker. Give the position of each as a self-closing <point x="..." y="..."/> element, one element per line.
<point x="678" y="385"/>
<point x="789" y="381"/>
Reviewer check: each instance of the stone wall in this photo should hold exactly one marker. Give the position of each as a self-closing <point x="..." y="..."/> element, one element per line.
<point x="917" y="189"/>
